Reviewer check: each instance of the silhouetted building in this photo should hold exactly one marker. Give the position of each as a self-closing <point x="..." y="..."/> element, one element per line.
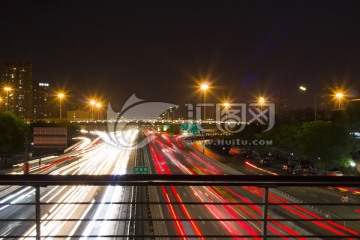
<point x="41" y="101"/>
<point x="281" y="103"/>
<point x="17" y="78"/>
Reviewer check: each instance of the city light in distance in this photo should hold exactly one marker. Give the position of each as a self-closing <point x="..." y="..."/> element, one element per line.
<point x="44" y="85"/>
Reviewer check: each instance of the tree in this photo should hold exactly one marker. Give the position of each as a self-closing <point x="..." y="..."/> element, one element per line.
<point x="12" y="131"/>
<point x="283" y="136"/>
<point x="352" y="117"/>
<point x="329" y="144"/>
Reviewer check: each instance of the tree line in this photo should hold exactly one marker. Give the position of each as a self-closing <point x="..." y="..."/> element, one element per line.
<point x="12" y="134"/>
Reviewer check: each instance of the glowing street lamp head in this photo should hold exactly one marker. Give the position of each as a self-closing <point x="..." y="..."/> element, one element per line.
<point x="92" y="103"/>
<point x="98" y="105"/>
<point x="7" y="89"/>
<point x="204" y="86"/>
<point x="261" y="100"/>
<point x="339" y="95"/>
<point x="61" y="95"/>
<point x="226" y="104"/>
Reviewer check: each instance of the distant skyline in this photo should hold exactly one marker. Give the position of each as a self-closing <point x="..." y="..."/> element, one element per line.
<point x="157" y="49"/>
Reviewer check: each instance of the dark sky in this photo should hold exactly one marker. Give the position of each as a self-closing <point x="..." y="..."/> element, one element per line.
<point x="157" y="48"/>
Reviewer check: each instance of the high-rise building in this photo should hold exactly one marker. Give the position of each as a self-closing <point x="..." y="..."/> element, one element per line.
<point x="41" y="101"/>
<point x="16" y="87"/>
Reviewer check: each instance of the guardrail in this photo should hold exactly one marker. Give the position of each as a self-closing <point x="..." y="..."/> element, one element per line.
<point x="144" y="181"/>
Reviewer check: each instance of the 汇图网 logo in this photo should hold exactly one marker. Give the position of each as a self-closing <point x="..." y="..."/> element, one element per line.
<point x="230" y="119"/>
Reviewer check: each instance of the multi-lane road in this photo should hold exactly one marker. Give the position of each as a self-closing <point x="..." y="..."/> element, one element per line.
<point x="198" y="210"/>
<point x="174" y="156"/>
<point x="96" y="158"/>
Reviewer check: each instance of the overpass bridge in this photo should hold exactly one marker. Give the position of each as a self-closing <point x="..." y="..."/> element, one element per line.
<point x="150" y="219"/>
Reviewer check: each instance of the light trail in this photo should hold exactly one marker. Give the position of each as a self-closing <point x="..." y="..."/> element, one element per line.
<point x="105" y="159"/>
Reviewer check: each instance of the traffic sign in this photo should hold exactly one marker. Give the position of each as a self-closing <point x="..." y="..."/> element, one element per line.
<point x="141" y="170"/>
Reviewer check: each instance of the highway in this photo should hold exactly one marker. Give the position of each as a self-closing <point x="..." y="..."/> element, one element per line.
<point x="96" y="159"/>
<point x="173" y="156"/>
<point x="197" y="210"/>
<point x="307" y="194"/>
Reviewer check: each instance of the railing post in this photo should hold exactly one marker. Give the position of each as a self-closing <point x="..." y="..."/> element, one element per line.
<point x="265" y="212"/>
<point x="37" y="212"/>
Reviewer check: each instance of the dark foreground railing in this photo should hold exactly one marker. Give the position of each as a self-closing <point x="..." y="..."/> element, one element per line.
<point x="144" y="181"/>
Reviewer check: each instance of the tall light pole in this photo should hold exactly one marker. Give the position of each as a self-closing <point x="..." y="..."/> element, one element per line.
<point x="261" y="102"/>
<point x="92" y="104"/>
<point x="339" y="96"/>
<point x="98" y="106"/>
<point x="226" y="106"/>
<point x="204" y="87"/>
<point x="60" y="96"/>
<point x="304" y="89"/>
<point x="7" y="90"/>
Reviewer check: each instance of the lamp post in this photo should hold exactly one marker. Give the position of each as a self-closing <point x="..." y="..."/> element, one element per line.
<point x="204" y="87"/>
<point x="7" y="90"/>
<point x="339" y="96"/>
<point x="226" y="106"/>
<point x="261" y="102"/>
<point x="98" y="106"/>
<point x="60" y="96"/>
<point x="92" y="104"/>
<point x="304" y="89"/>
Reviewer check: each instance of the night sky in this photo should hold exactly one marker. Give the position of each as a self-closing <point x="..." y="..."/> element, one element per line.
<point x="157" y="49"/>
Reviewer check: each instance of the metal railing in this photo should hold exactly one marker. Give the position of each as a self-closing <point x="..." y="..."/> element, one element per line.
<point x="144" y="181"/>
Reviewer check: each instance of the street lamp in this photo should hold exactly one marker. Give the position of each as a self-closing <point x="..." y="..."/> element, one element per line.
<point x="98" y="106"/>
<point x="226" y="106"/>
<point x="339" y="96"/>
<point x="304" y="89"/>
<point x="203" y="88"/>
<point x="261" y="101"/>
<point x="92" y="104"/>
<point x="7" y="90"/>
<point x="60" y="97"/>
